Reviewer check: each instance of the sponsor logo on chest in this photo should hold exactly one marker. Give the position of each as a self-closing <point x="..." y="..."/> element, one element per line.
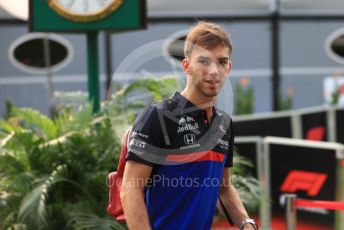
<point x="189" y="139"/>
<point x="223" y="144"/>
<point x="187" y="127"/>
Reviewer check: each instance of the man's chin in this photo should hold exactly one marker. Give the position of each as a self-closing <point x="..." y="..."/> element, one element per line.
<point x="211" y="93"/>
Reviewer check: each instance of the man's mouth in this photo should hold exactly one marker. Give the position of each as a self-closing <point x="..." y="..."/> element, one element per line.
<point x="212" y="84"/>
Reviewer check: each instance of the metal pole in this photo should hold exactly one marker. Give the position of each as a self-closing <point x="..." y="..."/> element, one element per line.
<point x="264" y="174"/>
<point x="290" y="212"/>
<point x="47" y="63"/>
<point x="296" y="125"/>
<point x="339" y="215"/>
<point x="93" y="70"/>
<point x="275" y="55"/>
<point x="264" y="209"/>
<point x="331" y="124"/>
<point x="108" y="64"/>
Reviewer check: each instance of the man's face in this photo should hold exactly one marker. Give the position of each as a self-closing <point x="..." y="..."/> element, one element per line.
<point x="208" y="69"/>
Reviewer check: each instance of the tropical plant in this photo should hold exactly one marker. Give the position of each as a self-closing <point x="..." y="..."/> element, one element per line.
<point x="244" y="97"/>
<point x="127" y="102"/>
<point x="71" y="100"/>
<point x="338" y="88"/>
<point x="53" y="171"/>
<point x="247" y="186"/>
<point x="285" y="103"/>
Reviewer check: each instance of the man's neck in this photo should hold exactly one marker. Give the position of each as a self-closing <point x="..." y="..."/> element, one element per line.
<point x="201" y="101"/>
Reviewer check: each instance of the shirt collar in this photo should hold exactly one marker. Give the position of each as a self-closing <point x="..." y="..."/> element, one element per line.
<point x="187" y="105"/>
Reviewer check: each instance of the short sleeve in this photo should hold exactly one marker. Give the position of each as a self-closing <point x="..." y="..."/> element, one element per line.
<point x="145" y="138"/>
<point x="229" y="158"/>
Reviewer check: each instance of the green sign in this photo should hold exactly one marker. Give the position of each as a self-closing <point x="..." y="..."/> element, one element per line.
<point x="77" y="15"/>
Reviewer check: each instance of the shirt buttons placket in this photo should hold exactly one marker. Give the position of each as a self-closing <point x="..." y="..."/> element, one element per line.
<point x="205" y="119"/>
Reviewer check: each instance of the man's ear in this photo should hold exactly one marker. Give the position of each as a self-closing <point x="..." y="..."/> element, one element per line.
<point x="229" y="67"/>
<point x="186" y="64"/>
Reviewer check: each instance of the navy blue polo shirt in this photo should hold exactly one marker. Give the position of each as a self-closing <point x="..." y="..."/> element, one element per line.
<point x="188" y="154"/>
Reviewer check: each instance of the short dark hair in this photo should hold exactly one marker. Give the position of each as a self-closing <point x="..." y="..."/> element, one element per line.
<point x="207" y="35"/>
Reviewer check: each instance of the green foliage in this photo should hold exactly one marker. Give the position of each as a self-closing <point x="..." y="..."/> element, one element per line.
<point x="247" y="186"/>
<point x="285" y="103"/>
<point x="33" y="120"/>
<point x="244" y="98"/>
<point x="128" y="102"/>
<point x="335" y="94"/>
<point x="52" y="168"/>
<point x="9" y="106"/>
<point x="84" y="220"/>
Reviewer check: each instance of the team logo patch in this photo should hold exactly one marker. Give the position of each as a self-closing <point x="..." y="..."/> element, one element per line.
<point x="189" y="139"/>
<point x="140" y="144"/>
<point x="184" y="120"/>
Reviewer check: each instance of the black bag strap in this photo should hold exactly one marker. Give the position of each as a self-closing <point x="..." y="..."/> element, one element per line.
<point x="170" y="106"/>
<point x="225" y="212"/>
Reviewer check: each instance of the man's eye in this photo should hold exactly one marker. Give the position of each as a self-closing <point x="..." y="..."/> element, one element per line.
<point x="223" y="63"/>
<point x="204" y="62"/>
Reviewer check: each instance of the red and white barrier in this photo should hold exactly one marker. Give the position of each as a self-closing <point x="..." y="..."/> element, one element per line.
<point x="293" y="203"/>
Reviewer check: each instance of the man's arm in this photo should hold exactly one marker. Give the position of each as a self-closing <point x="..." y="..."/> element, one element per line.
<point x="134" y="181"/>
<point x="232" y="202"/>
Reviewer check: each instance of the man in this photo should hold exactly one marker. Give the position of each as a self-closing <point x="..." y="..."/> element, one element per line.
<point x="180" y="158"/>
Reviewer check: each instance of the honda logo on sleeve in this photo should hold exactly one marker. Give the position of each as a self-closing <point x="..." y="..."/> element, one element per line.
<point x="189" y="139"/>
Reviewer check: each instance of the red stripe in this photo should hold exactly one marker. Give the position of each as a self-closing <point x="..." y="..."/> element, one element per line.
<point x="330" y="205"/>
<point x="197" y="156"/>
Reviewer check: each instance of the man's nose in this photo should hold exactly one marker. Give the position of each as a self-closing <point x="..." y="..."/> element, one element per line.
<point x="213" y="69"/>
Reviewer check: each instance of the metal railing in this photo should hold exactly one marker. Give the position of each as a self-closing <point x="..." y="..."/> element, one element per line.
<point x="293" y="203"/>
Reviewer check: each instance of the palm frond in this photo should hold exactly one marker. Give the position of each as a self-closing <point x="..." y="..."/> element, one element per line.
<point x="4" y="140"/>
<point x="9" y="222"/>
<point x="58" y="140"/>
<point x="246" y="185"/>
<point x="21" y="140"/>
<point x="150" y="85"/>
<point x="168" y="85"/>
<point x="10" y="165"/>
<point x="241" y="164"/>
<point x="17" y="183"/>
<point x="10" y="125"/>
<point x="75" y="121"/>
<point x="36" y="121"/>
<point x="249" y="191"/>
<point x="82" y="220"/>
<point x="33" y="209"/>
